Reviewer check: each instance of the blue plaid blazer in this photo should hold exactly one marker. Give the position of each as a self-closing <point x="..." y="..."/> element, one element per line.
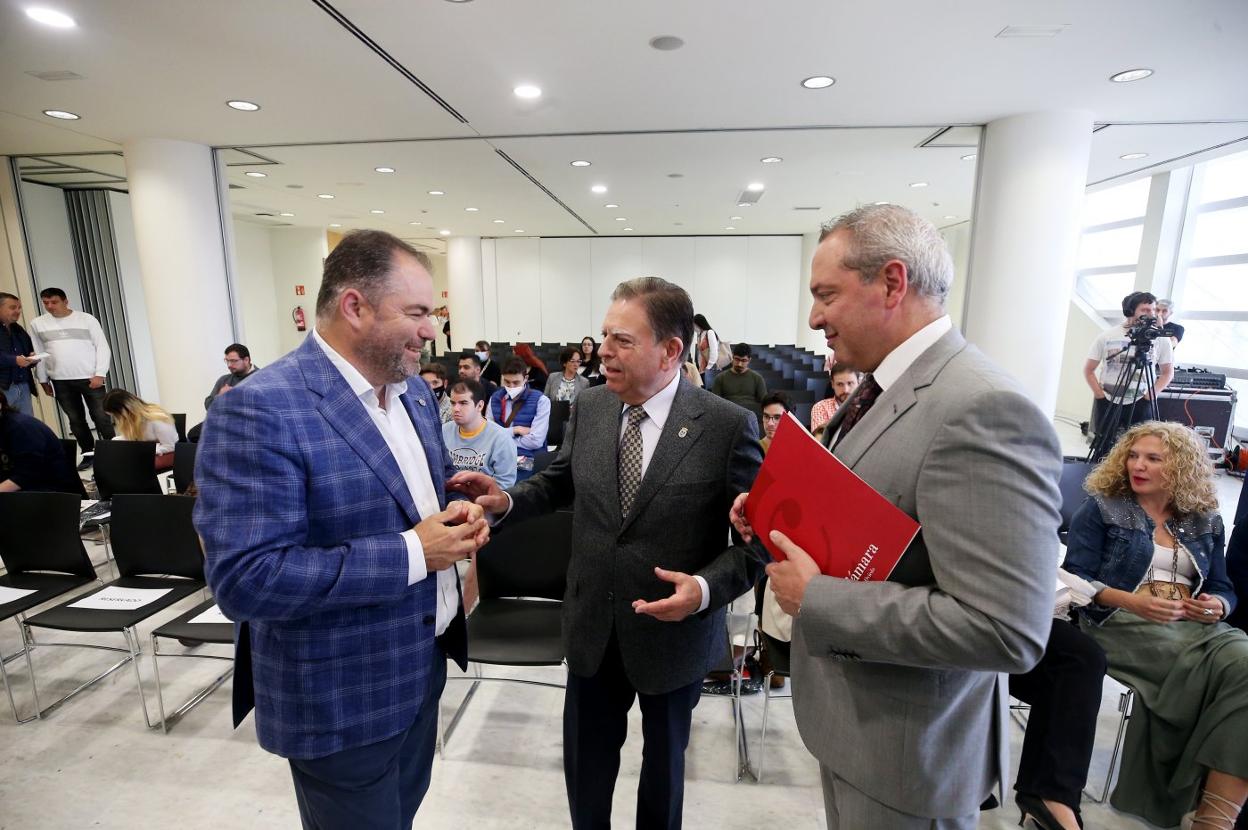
<point x="300" y="508"/>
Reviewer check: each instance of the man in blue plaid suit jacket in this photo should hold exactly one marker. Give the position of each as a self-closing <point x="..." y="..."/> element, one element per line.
<point x="329" y="539"/>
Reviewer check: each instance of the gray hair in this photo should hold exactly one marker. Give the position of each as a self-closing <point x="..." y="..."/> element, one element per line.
<point x="879" y="233"/>
<point x="1166" y="304"/>
<point x="669" y="310"/>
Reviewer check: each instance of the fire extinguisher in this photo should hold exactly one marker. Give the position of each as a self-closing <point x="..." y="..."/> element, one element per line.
<point x="301" y="322"/>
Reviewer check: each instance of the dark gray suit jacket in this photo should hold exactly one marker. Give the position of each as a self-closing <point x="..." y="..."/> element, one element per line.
<point x="897" y="685"/>
<point x="707" y="454"/>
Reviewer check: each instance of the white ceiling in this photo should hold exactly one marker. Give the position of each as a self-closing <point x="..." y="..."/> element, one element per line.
<point x="165" y="67"/>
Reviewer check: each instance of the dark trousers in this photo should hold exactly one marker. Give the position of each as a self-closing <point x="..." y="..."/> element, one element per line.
<point x="1064" y="690"/>
<point x="374" y="787"/>
<point x="595" y="723"/>
<point x="70" y="396"/>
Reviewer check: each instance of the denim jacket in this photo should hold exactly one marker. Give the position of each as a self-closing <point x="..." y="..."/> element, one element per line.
<point x="1111" y="545"/>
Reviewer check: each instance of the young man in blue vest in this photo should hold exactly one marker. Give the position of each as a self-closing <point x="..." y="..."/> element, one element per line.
<point x="523" y="412"/>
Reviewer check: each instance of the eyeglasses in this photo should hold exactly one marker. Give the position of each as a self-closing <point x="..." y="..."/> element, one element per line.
<point x="772" y="417"/>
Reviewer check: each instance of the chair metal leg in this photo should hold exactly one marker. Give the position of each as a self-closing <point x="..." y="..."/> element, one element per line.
<point x="762" y="739"/>
<point x="132" y="642"/>
<point x="160" y="697"/>
<point x="1125" y="702"/>
<point x="459" y="711"/>
<point x="23" y="652"/>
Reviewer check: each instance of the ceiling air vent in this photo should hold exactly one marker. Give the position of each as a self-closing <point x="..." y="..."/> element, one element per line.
<point x="749" y="197"/>
<point x="808" y="207"/>
<point x="237" y="187"/>
<point x="56" y="75"/>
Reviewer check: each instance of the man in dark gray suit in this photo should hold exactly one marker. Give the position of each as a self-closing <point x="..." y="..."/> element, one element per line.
<point x="651" y="465"/>
<point x="898" y="685"/>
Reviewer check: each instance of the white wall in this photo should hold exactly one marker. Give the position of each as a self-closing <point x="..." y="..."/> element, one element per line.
<point x="142" y="353"/>
<point x="298" y="259"/>
<point x="558" y="290"/>
<point x="958" y="238"/>
<point x="51" y="245"/>
<point x="257" y="301"/>
<point x="1074" y="398"/>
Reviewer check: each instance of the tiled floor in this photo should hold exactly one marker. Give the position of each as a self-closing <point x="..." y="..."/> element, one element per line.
<point x="92" y="763"/>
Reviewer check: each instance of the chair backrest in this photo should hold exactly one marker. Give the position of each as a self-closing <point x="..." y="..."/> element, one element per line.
<point x="71" y="457"/>
<point x="184" y="465"/>
<point x="560" y="411"/>
<point x="41" y="534"/>
<point x="1074" y="471"/>
<point x="179" y="423"/>
<point x="155" y="535"/>
<point x="125" y="467"/>
<point x="528" y="560"/>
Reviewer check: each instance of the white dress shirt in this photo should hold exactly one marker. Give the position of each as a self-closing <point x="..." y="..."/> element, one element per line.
<point x="399" y="433"/>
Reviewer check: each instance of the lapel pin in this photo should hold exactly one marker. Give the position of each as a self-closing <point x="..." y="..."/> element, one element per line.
<point x="683" y="432"/>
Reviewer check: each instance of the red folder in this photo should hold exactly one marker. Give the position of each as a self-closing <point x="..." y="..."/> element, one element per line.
<point x="809" y="495"/>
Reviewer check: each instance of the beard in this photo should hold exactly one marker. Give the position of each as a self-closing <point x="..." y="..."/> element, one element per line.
<point x="388" y="358"/>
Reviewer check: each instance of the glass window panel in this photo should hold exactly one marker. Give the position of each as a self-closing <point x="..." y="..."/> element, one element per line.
<point x="1225" y="178"/>
<point x="1106" y="290"/>
<point x="1126" y="201"/>
<point x="1104" y="248"/>
<point x="1221" y="233"/>
<point x="1241" y="410"/>
<point x="1214" y="343"/>
<point x="1216" y="288"/>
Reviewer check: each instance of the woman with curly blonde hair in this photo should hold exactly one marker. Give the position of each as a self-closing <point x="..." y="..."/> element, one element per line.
<point x="1152" y="544"/>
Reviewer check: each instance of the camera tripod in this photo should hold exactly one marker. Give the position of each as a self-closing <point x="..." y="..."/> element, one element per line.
<point x="1135" y="378"/>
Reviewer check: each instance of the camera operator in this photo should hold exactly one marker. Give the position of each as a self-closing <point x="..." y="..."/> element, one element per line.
<point x="1115" y="351"/>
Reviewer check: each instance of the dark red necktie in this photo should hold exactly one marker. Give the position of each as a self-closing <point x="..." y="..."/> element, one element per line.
<point x="867" y="392"/>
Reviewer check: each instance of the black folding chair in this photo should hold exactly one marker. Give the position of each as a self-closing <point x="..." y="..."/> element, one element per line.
<point x="184" y="465"/>
<point x="126" y="467"/>
<point x="155" y="547"/>
<point x="560" y="411"/>
<point x="179" y="424"/>
<point x="522" y="574"/>
<point x="71" y="456"/>
<point x="778" y="652"/>
<point x="43" y="556"/>
<point x="1075" y="471"/>
<point x="189" y="633"/>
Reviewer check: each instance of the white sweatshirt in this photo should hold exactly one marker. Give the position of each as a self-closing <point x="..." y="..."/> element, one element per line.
<point x="76" y="346"/>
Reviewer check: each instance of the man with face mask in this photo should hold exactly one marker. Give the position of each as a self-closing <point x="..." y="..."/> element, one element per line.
<point x="434" y="374"/>
<point x="489" y="369"/>
<point x="524" y="412"/>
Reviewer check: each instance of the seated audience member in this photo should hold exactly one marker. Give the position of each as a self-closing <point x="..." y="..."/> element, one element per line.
<point x="238" y="361"/>
<point x="591" y="364"/>
<point x="137" y="420"/>
<point x="1064" y="692"/>
<point x="566" y="385"/>
<point x="31" y="456"/>
<point x="480" y="446"/>
<point x="434" y="374"/>
<point x="774" y="622"/>
<point x="524" y="413"/>
<point x="535" y="371"/>
<point x="843" y="381"/>
<point x="489" y="368"/>
<point x="1165" y="310"/>
<point x="1150" y="540"/>
<point x="470" y="369"/>
<point x="741" y="384"/>
<point x="774" y="407"/>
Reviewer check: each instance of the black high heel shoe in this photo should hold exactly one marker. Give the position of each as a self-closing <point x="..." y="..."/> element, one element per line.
<point x="1035" y="809"/>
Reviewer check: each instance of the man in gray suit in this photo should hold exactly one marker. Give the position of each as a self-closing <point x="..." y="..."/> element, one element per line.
<point x="651" y="465"/>
<point x="898" y="685"/>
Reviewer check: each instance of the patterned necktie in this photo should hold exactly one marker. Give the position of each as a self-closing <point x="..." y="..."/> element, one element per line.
<point x="868" y="391"/>
<point x="630" y="459"/>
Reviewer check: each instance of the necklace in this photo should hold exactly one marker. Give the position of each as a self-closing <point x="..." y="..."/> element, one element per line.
<point x="1156" y="588"/>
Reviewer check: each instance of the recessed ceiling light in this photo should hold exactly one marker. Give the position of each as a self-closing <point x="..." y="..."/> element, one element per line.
<point x="444" y="232"/>
<point x="733" y="218"/>
<point x="881" y="203"/>
<point x="437" y="192"/>
<point x="471" y="210"/>
<point x="528" y="91"/>
<point x="1130" y="75"/>
<point x="459" y="1"/>
<point x="771" y="160"/>
<point x="666" y="43"/>
<point x="335" y="224"/>
<point x="675" y="175"/>
<point x="580" y="163"/>
<point x="755" y="187"/>
<point x="242" y="106"/>
<point x="611" y="205"/>
<point x="415" y="223"/>
<point x="49" y="17"/>
<point x="324" y="195"/>
<point x="621" y="218"/>
<point x="951" y="217"/>
<point x="1133" y="156"/>
<point x="730" y="228"/>
<point x="499" y="221"/>
<point x="819" y="82"/>
<point x="374" y="210"/>
<point x="285" y="214"/>
<point x="517" y="230"/>
<point x="628" y="229"/>
<point x="61" y="114"/>
<point x="918" y="184"/>
<point x="969" y="157"/>
<point x="384" y="169"/>
<point x="743" y="204"/>
<point x="255" y="174"/>
<point x="598" y="188"/>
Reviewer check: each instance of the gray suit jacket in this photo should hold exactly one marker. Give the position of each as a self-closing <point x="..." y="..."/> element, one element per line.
<point x="707" y="453"/>
<point x="897" y="684"/>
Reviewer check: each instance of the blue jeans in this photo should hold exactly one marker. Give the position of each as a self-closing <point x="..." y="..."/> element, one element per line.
<point x="18" y="396"/>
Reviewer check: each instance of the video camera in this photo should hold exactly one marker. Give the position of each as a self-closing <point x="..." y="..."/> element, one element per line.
<point x="1144" y="331"/>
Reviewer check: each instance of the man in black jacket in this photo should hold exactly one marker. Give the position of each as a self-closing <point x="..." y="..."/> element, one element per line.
<point x="17" y="380"/>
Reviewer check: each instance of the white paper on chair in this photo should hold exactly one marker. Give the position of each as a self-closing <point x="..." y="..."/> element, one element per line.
<point x="114" y="598"/>
<point x="8" y="594"/>
<point x="211" y="615"/>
